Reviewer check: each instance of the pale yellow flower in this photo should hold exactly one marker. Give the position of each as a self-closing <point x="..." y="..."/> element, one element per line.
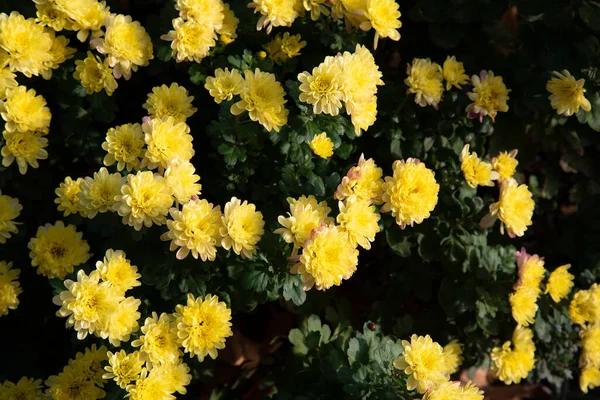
<point x="242" y="227"/>
<point x="95" y="75"/>
<point x="173" y="101"/>
<point x="24" y="147"/>
<point x="225" y="84"/>
<point x="567" y="94"/>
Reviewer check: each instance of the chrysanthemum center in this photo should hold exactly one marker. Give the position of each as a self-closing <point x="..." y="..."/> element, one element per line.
<point x="57" y="251"/>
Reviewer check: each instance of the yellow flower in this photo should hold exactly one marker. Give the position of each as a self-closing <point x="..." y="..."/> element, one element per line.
<point x="118" y="271"/>
<point x="98" y="194"/>
<point x="523" y="304"/>
<point x="475" y="171"/>
<point x="10" y="208"/>
<point x="274" y="13"/>
<point x="123" y="368"/>
<point x="364" y="180"/>
<point x="306" y="214"/>
<point x="9" y="288"/>
<point x="23" y="111"/>
<point x="514" y="208"/>
<point x="159" y="341"/>
<point x="505" y="164"/>
<point x="283" y="47"/>
<point x="95" y="75"/>
<point x="191" y="41"/>
<point x="203" y="325"/>
<point x="321" y="145"/>
<point x="560" y="283"/>
<point x="166" y="139"/>
<point x="206" y="12"/>
<point x="59" y="53"/>
<point x="67" y="196"/>
<point x="585" y="306"/>
<point x="360" y="220"/>
<point x="531" y="269"/>
<point x="425" y="81"/>
<point x="7" y="81"/>
<point x="180" y="177"/>
<point x="90" y="363"/>
<point x="453" y="356"/>
<point x="322" y="89"/>
<point x="489" y="96"/>
<point x="149" y="386"/>
<point x="327" y="258"/>
<point x="24" y="147"/>
<point x="512" y="365"/>
<point x="384" y="17"/>
<point x="173" y="101"/>
<point x="589" y="378"/>
<point x="454" y="391"/>
<point x="316" y="8"/>
<point x="174" y="376"/>
<point x="423" y="360"/>
<point x="411" y="193"/>
<point x="351" y="10"/>
<point x="227" y="32"/>
<point x="590" y="343"/>
<point x="359" y="76"/>
<point x="25" y="389"/>
<point x="225" y="84"/>
<point x="87" y="16"/>
<point x="363" y="114"/>
<point x="567" y="94"/>
<point x="145" y="200"/>
<point x="454" y="73"/>
<point x="123" y="321"/>
<point x="57" y="249"/>
<point x="125" y="146"/>
<point x="72" y="384"/>
<point x="50" y="16"/>
<point x="522" y="339"/>
<point x="194" y="229"/>
<point x="126" y="44"/>
<point x="262" y="97"/>
<point x="242" y="227"/>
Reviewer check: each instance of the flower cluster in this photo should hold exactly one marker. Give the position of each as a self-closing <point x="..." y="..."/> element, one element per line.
<point x="9" y="287"/>
<point x="514" y="360"/>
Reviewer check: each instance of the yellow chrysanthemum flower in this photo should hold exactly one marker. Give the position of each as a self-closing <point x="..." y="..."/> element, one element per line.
<point x="423" y="361"/>
<point x="274" y="13"/>
<point x="359" y="75"/>
<point x="25" y="389"/>
<point x="585" y="306"/>
<point x="522" y="339"/>
<point x="175" y="376"/>
<point x="322" y="89"/>
<point x="505" y="164"/>
<point x="166" y="139"/>
<point x="72" y="384"/>
<point x="560" y="283"/>
<point x="23" y="111"/>
<point x="283" y="47"/>
<point x="513" y="365"/>
<point x="118" y="271"/>
<point x="59" y="53"/>
<point x="57" y="249"/>
<point x="124" y="368"/>
<point x="454" y="73"/>
<point x="149" y="386"/>
<point x="453" y="356"/>
<point x="306" y="214"/>
<point x="159" y="341"/>
<point x="181" y="178"/>
<point x="567" y="94"/>
<point x="531" y="269"/>
<point x="9" y="288"/>
<point x="523" y="304"/>
<point x="125" y="146"/>
<point x="411" y="193"/>
<point x="126" y="44"/>
<point x="194" y="229"/>
<point x="425" y="81"/>
<point x="145" y="200"/>
<point x="351" y="10"/>
<point x="360" y="220"/>
<point x="327" y="258"/>
<point x="590" y="344"/>
<point x="50" y="16"/>
<point x="321" y="145"/>
<point x="489" y="96"/>
<point x="87" y="16"/>
<point x="589" y="378"/>
<point x="191" y="40"/>
<point x="227" y="33"/>
<point x="363" y="115"/>
<point x="242" y="227"/>
<point x="67" y="196"/>
<point x="454" y="391"/>
<point x="98" y="194"/>
<point x="475" y="171"/>
<point x="262" y="97"/>
<point x="514" y="208"/>
<point x="90" y="363"/>
<point x="24" y="147"/>
<point x="384" y="17"/>
<point x="10" y="209"/>
<point x="203" y="325"/>
<point x="207" y="12"/>
<point x="225" y="84"/>
<point x="123" y="321"/>
<point x="95" y="75"/>
<point x="316" y="8"/>
<point x="173" y="101"/>
<point x="7" y="81"/>
<point x="364" y="181"/>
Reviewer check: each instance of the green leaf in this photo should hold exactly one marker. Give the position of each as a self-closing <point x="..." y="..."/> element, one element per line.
<point x="297" y="339"/>
<point x="255" y="280"/>
<point x="592" y="117"/>
<point x="590" y="14"/>
<point x="398" y="241"/>
<point x="293" y="289"/>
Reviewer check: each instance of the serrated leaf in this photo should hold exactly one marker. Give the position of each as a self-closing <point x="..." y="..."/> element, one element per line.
<point x="297" y="339"/>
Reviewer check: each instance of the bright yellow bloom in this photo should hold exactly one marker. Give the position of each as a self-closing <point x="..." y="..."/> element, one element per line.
<point x="585" y="306"/>
<point x="453" y="356"/>
<point x="475" y="171"/>
<point x="173" y="101"/>
<point x="316" y="8"/>
<point x="67" y="196"/>
<point x="306" y="214"/>
<point x="522" y="339"/>
<point x="323" y="88"/>
<point x="567" y="94"/>
<point x="227" y="32"/>
<point x="411" y="193"/>
<point x="514" y="208"/>
<point x="351" y="10"/>
<point x="181" y="178"/>
<point x="126" y="44"/>
<point x="225" y="84"/>
<point x="194" y="229"/>
<point x="25" y="389"/>
<point x="274" y="13"/>
<point x="423" y="360"/>
<point x="125" y="146"/>
<point x="359" y="76"/>
<point x="384" y="17"/>
<point x="511" y="366"/>
<point x="57" y="249"/>
<point x="360" y="220"/>
<point x="363" y="115"/>
<point x="425" y="81"/>
<point x="90" y="363"/>
<point x="87" y="16"/>
<point x="59" y="53"/>
<point x="72" y="384"/>
<point x="9" y="287"/>
<point x="174" y="376"/>
<point x="560" y="283"/>
<point x="523" y="304"/>
<point x="118" y="271"/>
<point x="489" y="96"/>
<point x="24" y="147"/>
<point x="283" y="47"/>
<point x="454" y="73"/>
<point x="321" y="145"/>
<point x="123" y="321"/>
<point x="262" y="97"/>
<point x="95" y="75"/>
<point x="589" y="378"/>
<point x="590" y="344"/>
<point x="191" y="41"/>
<point x="454" y="391"/>
<point x="159" y="341"/>
<point x="242" y="227"/>
<point x="7" y="81"/>
<point x="364" y="180"/>
<point x="149" y="386"/>
<point x="124" y="368"/>
<point x="145" y="200"/>
<point x="98" y="194"/>
<point x="207" y="12"/>
<point x="166" y="139"/>
<point x="10" y="208"/>
<point x="50" y="16"/>
<point x="203" y="325"/>
<point x="327" y="258"/>
<point x="23" y="111"/>
<point x="531" y="269"/>
<point x="505" y="164"/>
